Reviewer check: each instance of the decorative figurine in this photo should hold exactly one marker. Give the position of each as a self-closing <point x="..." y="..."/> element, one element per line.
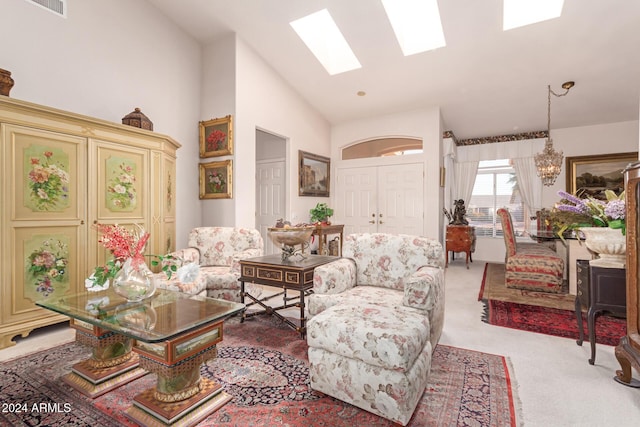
<point x="458" y="216"/>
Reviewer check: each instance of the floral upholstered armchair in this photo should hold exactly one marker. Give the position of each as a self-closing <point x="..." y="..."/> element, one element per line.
<point x="376" y="316"/>
<point x="218" y="251"/>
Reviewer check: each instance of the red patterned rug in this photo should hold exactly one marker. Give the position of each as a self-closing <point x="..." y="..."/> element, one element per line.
<point x="552" y="321"/>
<point x="263" y="365"/>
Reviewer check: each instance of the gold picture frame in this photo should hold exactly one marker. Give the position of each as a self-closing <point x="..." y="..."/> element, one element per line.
<point x="314" y="174"/>
<point x="216" y="180"/>
<point x="592" y="175"/>
<point x="216" y="137"/>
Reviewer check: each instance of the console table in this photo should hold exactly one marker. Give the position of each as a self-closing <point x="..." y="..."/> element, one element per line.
<point x="599" y="290"/>
<point x="460" y="238"/>
<point x="292" y="273"/>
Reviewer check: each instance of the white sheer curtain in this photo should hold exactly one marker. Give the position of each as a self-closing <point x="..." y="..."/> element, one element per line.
<point x="529" y="183"/>
<point x="465" y="179"/>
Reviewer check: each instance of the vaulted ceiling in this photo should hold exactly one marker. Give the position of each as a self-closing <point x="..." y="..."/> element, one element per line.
<point x="486" y="81"/>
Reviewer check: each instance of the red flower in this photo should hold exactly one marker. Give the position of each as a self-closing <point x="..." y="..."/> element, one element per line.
<point x="48" y="154"/>
<point x="215" y="139"/>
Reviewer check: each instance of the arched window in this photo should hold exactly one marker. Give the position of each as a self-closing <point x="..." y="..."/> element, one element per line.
<point x="382" y="147"/>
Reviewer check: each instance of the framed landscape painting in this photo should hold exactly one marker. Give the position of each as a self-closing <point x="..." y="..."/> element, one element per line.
<point x="215" y="180"/>
<point x="592" y="175"/>
<point x="216" y="137"/>
<point x="314" y="171"/>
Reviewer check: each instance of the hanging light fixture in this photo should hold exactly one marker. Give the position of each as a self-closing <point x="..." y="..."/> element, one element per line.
<point x="549" y="162"/>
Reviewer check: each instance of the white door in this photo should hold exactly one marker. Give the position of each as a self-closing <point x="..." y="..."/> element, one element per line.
<point x="386" y="199"/>
<point x="401" y="199"/>
<point x="356" y="205"/>
<point x="270" y="198"/>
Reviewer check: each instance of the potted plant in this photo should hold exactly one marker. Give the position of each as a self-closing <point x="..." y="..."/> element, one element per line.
<point x="321" y="214"/>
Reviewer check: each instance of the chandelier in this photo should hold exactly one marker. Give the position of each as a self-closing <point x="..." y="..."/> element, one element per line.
<point x="549" y="162"/>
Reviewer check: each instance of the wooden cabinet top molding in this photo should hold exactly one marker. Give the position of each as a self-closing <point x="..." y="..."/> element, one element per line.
<point x="29" y="114"/>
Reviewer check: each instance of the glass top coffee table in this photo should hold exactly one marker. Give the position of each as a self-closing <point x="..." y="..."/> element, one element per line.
<point x="170" y="334"/>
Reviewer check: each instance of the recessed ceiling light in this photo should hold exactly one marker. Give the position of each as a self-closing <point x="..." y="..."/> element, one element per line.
<point x="518" y="13"/>
<point x="416" y="23"/>
<point x="323" y="37"/>
<point x="361" y="93"/>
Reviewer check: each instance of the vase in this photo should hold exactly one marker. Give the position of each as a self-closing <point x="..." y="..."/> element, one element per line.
<point x="610" y="245"/>
<point x="134" y="281"/>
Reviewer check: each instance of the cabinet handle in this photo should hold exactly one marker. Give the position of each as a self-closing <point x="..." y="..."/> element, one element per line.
<point x="373" y="215"/>
<point x="380" y="215"/>
<point x="372" y="222"/>
<point x="381" y="222"/>
<point x="82" y="222"/>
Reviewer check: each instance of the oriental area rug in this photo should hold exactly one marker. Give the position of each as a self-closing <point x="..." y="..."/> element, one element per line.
<point x="263" y="365"/>
<point x="542" y="312"/>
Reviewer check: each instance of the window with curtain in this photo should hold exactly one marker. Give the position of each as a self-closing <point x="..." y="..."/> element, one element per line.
<point x="495" y="187"/>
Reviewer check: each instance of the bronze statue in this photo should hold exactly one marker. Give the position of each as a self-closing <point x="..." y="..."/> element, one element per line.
<point x="459" y="212"/>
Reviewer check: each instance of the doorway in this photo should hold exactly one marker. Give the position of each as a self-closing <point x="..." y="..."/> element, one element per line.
<point x="271" y="188"/>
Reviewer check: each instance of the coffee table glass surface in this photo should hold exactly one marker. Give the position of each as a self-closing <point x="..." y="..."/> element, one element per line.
<point x="164" y="316"/>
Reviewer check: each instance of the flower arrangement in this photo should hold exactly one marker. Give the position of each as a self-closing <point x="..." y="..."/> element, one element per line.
<point x="123" y="244"/>
<point x="121" y="188"/>
<point x="48" y="264"/>
<point x="217" y="182"/>
<point x="215" y="140"/>
<point x="48" y="181"/>
<point x="573" y="213"/>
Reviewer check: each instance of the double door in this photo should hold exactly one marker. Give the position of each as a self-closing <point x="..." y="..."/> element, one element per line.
<point x="385" y="199"/>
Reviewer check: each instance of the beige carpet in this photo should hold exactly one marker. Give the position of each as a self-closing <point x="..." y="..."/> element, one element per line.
<point x="494" y="289"/>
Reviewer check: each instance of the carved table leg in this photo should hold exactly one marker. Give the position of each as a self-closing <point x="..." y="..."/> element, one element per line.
<point x="111" y="364"/>
<point x="626" y="360"/>
<point x="578" y="309"/>
<point x="181" y="396"/>
<point x="591" y="325"/>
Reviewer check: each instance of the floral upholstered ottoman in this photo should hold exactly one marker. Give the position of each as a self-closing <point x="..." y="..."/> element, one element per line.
<point x="374" y="357"/>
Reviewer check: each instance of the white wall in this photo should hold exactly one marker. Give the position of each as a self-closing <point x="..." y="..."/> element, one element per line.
<point x="265" y="101"/>
<point x="581" y="141"/>
<point x="219" y="100"/>
<point x="423" y="124"/>
<point x="105" y="59"/>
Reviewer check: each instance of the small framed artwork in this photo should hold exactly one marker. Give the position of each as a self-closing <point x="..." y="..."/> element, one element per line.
<point x="216" y="180"/>
<point x="216" y="137"/>
<point x="592" y="175"/>
<point x="314" y="171"/>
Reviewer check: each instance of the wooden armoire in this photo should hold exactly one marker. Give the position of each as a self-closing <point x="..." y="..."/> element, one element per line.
<point x="628" y="351"/>
<point x="60" y="173"/>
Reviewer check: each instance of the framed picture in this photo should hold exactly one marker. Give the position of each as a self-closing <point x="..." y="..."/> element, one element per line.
<point x="314" y="174"/>
<point x="216" y="137"/>
<point x="216" y="180"/>
<point x="592" y="175"/>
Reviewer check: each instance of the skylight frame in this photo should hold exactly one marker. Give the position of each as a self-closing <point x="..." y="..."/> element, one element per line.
<point x="519" y="13"/>
<point x="321" y="35"/>
<point x="416" y="24"/>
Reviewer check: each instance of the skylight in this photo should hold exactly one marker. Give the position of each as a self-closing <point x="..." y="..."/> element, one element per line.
<point x="323" y="37"/>
<point x="518" y="13"/>
<point x="416" y="24"/>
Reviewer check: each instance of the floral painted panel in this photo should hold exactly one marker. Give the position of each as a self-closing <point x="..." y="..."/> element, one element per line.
<point x="46" y="265"/>
<point x="47" y="178"/>
<point x="121" y="185"/>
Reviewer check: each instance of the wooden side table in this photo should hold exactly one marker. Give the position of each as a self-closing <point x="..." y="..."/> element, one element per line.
<point x="460" y="238"/>
<point x="600" y="290"/>
<point x="322" y="231"/>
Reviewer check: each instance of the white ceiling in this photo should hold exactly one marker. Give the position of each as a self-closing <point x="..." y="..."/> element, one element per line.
<point x="487" y="82"/>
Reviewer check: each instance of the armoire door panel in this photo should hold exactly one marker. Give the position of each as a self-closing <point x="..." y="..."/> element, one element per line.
<point x="46" y="174"/>
<point x="121" y="182"/>
<point x="45" y="263"/>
